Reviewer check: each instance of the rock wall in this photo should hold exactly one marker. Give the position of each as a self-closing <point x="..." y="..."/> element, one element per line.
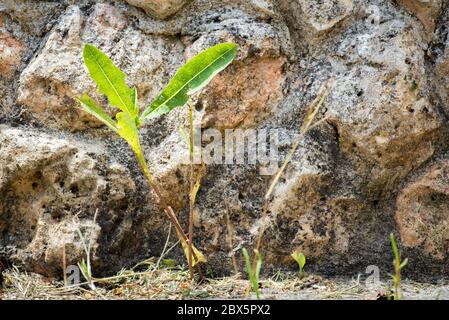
<point x="377" y="163"/>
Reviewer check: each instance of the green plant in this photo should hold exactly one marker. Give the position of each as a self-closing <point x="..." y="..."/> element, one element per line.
<point x="398" y="266"/>
<point x="312" y="111"/>
<point x="190" y="78"/>
<point x="85" y="265"/>
<point x="300" y="258"/>
<point x="253" y="273"/>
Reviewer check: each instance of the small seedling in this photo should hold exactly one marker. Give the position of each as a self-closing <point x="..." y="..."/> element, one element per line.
<point x="300" y="258"/>
<point x="398" y="266"/>
<point x="190" y="78"/>
<point x="308" y="123"/>
<point x="253" y="273"/>
<point x="85" y="265"/>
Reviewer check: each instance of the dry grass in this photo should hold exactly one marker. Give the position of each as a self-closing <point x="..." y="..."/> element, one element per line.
<point x="174" y="283"/>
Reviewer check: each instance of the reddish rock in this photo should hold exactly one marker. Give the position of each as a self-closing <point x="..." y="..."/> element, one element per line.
<point x="248" y="91"/>
<point x="11" y="51"/>
<point x="244" y="95"/>
<point x="49" y="84"/>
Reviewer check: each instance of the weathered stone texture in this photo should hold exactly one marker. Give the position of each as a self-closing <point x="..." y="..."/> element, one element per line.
<point x="159" y="8"/>
<point x="427" y="11"/>
<point x="422" y="212"/>
<point x="51" y="81"/>
<point x="376" y="163"/>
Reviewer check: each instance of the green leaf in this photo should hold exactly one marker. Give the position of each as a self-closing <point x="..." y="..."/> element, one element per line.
<point x="127" y="130"/>
<point x="249" y="268"/>
<point x="169" y="263"/>
<point x="390" y="275"/>
<point x="134" y="99"/>
<point x="91" y="107"/>
<point x="190" y="78"/>
<point x="253" y="274"/>
<point x="300" y="258"/>
<point x="197" y="254"/>
<point x="395" y="248"/>
<point x="85" y="271"/>
<point x="404" y="263"/>
<point x="110" y="79"/>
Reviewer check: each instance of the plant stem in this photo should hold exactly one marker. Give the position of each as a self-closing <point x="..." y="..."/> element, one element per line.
<point x="192" y="185"/>
<point x="64" y="265"/>
<point x="162" y="202"/>
<point x="397" y="268"/>
<point x="315" y="106"/>
<point x="230" y="244"/>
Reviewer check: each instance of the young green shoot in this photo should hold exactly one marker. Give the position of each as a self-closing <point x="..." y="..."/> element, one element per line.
<point x="300" y="259"/>
<point x="398" y="266"/>
<point x="308" y="123"/>
<point x="253" y="273"/>
<point x="189" y="79"/>
<point x="85" y="265"/>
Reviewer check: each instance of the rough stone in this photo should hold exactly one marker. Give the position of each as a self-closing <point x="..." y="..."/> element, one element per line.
<point x="34" y="17"/>
<point x="426" y="11"/>
<point x="371" y="167"/>
<point x="306" y="212"/>
<point x="316" y="17"/>
<point x="50" y="192"/>
<point x="380" y="105"/>
<point x="11" y="51"/>
<point x="169" y="161"/>
<point x="440" y="54"/>
<point x="51" y="81"/>
<point x="422" y="212"/>
<point x="264" y="6"/>
<point x="247" y="92"/>
<point x="159" y="8"/>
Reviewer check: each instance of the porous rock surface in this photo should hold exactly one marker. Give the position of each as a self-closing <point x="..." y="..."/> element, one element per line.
<point x="376" y="163"/>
